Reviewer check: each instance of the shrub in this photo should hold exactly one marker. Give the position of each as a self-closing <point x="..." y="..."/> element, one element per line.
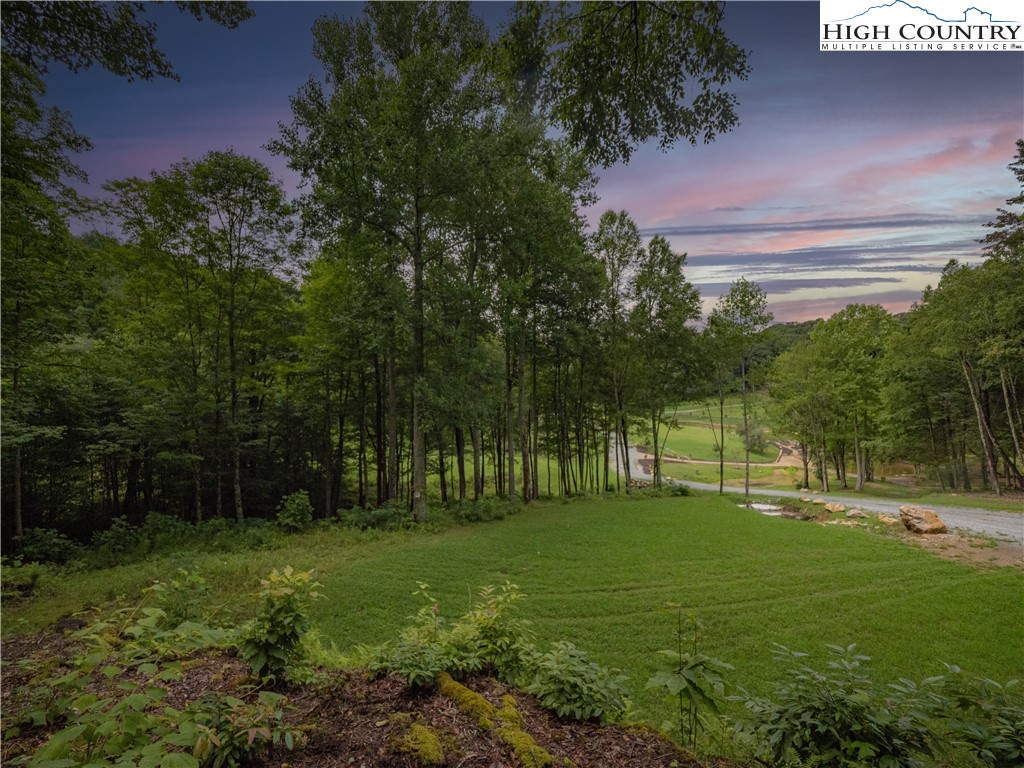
<point x="272" y="642"/>
<point x="987" y="718"/>
<point x="117" y="545"/>
<point x="230" y="732"/>
<point x="295" y="512"/>
<point x="567" y="682"/>
<point x="46" y="545"/>
<point x="393" y="516"/>
<point x="488" y="637"/>
<point x="181" y="599"/>
<point x="166" y="532"/>
<point x="692" y="680"/>
<point x="838" y="715"/>
<point x="21" y="579"/>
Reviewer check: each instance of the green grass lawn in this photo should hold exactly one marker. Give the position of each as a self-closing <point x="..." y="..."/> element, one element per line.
<point x="598" y="573"/>
<point x="696" y="442"/>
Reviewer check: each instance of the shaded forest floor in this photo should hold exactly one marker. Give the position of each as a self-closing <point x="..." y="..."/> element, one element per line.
<point x="349" y="719"/>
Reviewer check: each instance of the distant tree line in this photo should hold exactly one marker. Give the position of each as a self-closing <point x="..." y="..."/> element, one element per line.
<point x="940" y="386"/>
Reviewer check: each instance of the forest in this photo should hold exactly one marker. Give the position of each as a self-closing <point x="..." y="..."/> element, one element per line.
<point x="432" y="321"/>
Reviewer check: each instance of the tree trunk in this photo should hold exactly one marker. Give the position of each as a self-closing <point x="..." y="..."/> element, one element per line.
<point x="524" y="434"/>
<point x="510" y="422"/>
<point x="857" y="457"/>
<point x="478" y="468"/>
<point x="419" y="446"/>
<point x="460" y="460"/>
<point x="657" y="462"/>
<point x="746" y="432"/>
<point x="987" y="446"/>
<point x="1017" y="453"/>
<point x="393" y="472"/>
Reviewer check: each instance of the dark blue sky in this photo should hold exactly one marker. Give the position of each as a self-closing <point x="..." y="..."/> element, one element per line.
<point x="854" y="176"/>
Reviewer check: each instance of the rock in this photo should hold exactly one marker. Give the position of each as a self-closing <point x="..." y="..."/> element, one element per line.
<point x="805" y="499"/>
<point x="888" y="519"/>
<point x="857" y="513"/>
<point x="921" y="520"/>
<point x="834" y="506"/>
<point x="818" y="500"/>
<point x="846" y="523"/>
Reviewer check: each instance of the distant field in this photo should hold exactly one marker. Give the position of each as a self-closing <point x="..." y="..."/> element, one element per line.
<point x="598" y="572"/>
<point x="695" y="442"/>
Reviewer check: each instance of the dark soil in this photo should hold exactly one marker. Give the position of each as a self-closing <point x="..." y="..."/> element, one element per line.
<point x="351" y="720"/>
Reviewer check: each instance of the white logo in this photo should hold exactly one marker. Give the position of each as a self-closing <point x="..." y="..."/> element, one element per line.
<point x="921" y="25"/>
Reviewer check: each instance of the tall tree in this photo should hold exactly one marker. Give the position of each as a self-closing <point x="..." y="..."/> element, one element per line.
<point x="225" y="221"/>
<point x="664" y="303"/>
<point x="385" y="141"/>
<point x="742" y="314"/>
<point x="1007" y="238"/>
<point x="615" y="74"/>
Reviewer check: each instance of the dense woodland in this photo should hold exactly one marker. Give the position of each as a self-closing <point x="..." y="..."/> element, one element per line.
<point x="431" y="320"/>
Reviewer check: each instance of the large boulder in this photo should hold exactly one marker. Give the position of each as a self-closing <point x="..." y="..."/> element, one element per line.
<point x="921" y="520"/>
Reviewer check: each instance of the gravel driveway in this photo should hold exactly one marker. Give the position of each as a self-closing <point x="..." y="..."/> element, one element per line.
<point x="1008" y="526"/>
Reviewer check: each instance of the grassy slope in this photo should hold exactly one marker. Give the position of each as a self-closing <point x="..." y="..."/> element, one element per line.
<point x="598" y="572"/>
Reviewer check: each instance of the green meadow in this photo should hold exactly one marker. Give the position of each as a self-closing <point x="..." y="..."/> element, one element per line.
<point x="599" y="572"/>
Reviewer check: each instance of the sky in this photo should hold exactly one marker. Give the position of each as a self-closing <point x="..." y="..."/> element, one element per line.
<point x="853" y="177"/>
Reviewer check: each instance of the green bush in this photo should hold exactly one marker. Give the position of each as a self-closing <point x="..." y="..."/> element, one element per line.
<point x="987" y="718"/>
<point x="163" y="533"/>
<point x="567" y="682"/>
<point x="119" y="544"/>
<point x="20" y="579"/>
<point x="393" y="516"/>
<point x="488" y="637"/>
<point x="271" y="644"/>
<point x="839" y="715"/>
<point x="295" y="512"/>
<point x="181" y="599"/>
<point x="46" y="545"/>
<point x="230" y="732"/>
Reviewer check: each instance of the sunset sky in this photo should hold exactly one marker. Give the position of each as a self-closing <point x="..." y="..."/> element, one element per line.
<point x="853" y="177"/>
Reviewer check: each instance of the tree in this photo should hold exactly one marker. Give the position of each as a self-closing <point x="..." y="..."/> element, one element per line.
<point x="110" y="35"/>
<point x="224" y="224"/>
<point x="615" y="74"/>
<point x="850" y="345"/>
<point x="1007" y="239"/>
<point x="664" y="303"/>
<point x="741" y="315"/>
<point x="384" y="145"/>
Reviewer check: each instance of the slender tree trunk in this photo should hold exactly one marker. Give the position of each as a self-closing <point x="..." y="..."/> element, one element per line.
<point x="380" y="445"/>
<point x="393" y="471"/>
<point x="655" y="448"/>
<point x="460" y="460"/>
<point x="478" y="468"/>
<point x="524" y="430"/>
<point x="441" y="470"/>
<point x="721" y="440"/>
<point x="746" y="432"/>
<point x="419" y="447"/>
<point x="823" y="464"/>
<point x="510" y="424"/>
<point x="986" y="436"/>
<point x="804" y="459"/>
<point x="1017" y="453"/>
<point x="857" y="457"/>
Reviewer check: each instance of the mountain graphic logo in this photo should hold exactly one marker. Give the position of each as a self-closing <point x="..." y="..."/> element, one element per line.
<point x="903" y="5"/>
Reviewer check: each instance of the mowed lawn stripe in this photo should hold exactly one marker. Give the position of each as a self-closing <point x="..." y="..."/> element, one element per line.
<point x="599" y="573"/>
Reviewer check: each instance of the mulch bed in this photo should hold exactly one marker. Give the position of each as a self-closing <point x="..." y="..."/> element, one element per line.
<point x="353" y="721"/>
